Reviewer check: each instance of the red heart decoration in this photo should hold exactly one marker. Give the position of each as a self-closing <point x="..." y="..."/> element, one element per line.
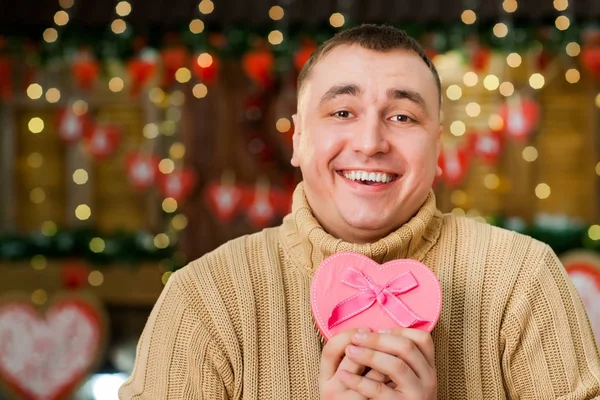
<point x="349" y="290"/>
<point x="454" y="161"/>
<point x="71" y="127"/>
<point x="141" y="169"/>
<point x="520" y="117"/>
<point x="487" y="146"/>
<point x="102" y="141"/>
<point x="178" y="184"/>
<point x="224" y="200"/>
<point x="261" y="211"/>
<point x="48" y="357"/>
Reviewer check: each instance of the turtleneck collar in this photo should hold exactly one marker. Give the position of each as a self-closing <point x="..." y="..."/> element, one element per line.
<point x="308" y="244"/>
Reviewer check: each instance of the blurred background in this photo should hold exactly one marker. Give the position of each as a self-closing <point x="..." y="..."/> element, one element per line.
<point x="136" y="136"/>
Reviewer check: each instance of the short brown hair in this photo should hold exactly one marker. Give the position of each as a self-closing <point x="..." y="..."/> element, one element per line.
<point x="381" y="38"/>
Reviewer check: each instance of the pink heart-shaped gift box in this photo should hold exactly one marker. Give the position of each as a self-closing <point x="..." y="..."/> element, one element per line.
<point x="349" y="290"/>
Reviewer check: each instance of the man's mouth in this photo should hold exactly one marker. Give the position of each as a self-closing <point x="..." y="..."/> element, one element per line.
<point x="368" y="177"/>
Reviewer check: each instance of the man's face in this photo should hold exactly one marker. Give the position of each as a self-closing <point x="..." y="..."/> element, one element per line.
<point x="367" y="138"/>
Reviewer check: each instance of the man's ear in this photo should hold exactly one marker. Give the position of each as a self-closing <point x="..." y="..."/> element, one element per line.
<point x="295" y="161"/>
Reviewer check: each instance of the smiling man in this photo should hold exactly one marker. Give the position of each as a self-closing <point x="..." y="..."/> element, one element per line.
<point x="237" y="324"/>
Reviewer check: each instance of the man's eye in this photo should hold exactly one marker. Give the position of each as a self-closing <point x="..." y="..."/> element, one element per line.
<point x="401" y="118"/>
<point x="342" y="114"/>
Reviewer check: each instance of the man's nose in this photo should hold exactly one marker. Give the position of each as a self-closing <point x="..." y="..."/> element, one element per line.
<point x="371" y="137"/>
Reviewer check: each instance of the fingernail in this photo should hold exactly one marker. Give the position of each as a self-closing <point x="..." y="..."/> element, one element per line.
<point x="364" y="330"/>
<point x="360" y="336"/>
<point x="354" y="350"/>
<point x="385" y="331"/>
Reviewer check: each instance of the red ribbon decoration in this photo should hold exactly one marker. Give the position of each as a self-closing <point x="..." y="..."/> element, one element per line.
<point x="370" y="292"/>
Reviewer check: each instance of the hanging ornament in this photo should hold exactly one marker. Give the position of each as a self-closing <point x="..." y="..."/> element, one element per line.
<point x="71" y="126"/>
<point x="455" y="161"/>
<point x="590" y="53"/>
<point x="74" y="275"/>
<point x="6" y="73"/>
<point x="141" y="169"/>
<point x="178" y="184"/>
<point x="478" y="56"/>
<point x="302" y="55"/>
<point x="102" y="141"/>
<point x="206" y="67"/>
<point x="141" y="70"/>
<point x="258" y="66"/>
<point x="224" y="198"/>
<point x="487" y="146"/>
<point x="261" y="211"/>
<point x="173" y="58"/>
<point x="520" y="116"/>
<point x="85" y="68"/>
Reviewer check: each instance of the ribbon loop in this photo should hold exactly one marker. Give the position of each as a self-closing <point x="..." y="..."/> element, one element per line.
<point x="369" y="292"/>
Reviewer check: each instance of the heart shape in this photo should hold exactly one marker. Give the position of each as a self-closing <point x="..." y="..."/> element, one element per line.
<point x="47" y="358"/>
<point x="349" y="290"/>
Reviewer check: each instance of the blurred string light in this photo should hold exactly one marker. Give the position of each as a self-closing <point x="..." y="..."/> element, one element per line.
<point x="514" y="60"/>
<point x="468" y="17"/>
<point x="470" y="79"/>
<point x="206" y="6"/>
<point x="39" y="297"/>
<point x="119" y="26"/>
<point x="337" y="20"/>
<point x="276" y="13"/>
<point x="542" y="191"/>
<point x="594" y="232"/>
<point x="598" y="169"/>
<point x="61" y="19"/>
<point x="530" y="154"/>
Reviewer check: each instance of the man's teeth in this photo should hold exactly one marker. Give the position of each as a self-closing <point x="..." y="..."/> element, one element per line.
<point x="368" y="176"/>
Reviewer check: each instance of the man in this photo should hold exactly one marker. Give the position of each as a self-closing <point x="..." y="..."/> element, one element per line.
<point x="237" y="322"/>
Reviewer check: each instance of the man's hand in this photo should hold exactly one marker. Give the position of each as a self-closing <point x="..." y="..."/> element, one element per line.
<point x="334" y="361"/>
<point x="406" y="356"/>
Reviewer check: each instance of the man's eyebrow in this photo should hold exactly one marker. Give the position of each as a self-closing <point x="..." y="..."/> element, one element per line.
<point x="340" y="90"/>
<point x="400" y="94"/>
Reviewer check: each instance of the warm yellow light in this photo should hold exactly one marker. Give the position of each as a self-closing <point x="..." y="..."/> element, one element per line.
<point x="177" y="151"/>
<point x="177" y="98"/>
<point x="97" y="245"/>
<point x="49" y="228"/>
<point x="80" y="107"/>
<point x="116" y="84"/>
<point x="470" y="79"/>
<point x="507" y="89"/>
<point x="179" y="222"/>
<point x="276" y="13"/>
<point x="283" y="125"/>
<point x="37" y="195"/>
<point x="95" y="278"/>
<point x="495" y="122"/>
<point x="594" y="232"/>
<point x="156" y="95"/>
<point x="458" y="128"/>
<point x="337" y="20"/>
<point x="500" y="30"/>
<point x="52" y="95"/>
<point x="118" y="26"/>
<point x="174" y="114"/>
<point x="200" y="91"/>
<point x="458" y="197"/>
<point x="530" y="154"/>
<point x="183" y="75"/>
<point x="459" y="212"/>
<point x="598" y="169"/>
<point x="50" y="35"/>
<point x="514" y="60"/>
<point x="150" y="131"/>
<point x="573" y="49"/>
<point x="562" y="22"/>
<point x="39" y="297"/>
<point x="165" y="277"/>
<point x="491" y="181"/>
<point x="206" y="6"/>
<point x="454" y="92"/>
<point x="537" y="80"/>
<point x="35" y="125"/>
<point x="66" y="4"/>
<point x="83" y="212"/>
<point x="491" y="82"/>
<point x="542" y="191"/>
<point x="35" y="91"/>
<point x="167" y="128"/>
<point x="166" y="166"/>
<point x="169" y="205"/>
<point x="572" y="75"/>
<point x="275" y="37"/>
<point x="161" y="241"/>
<point x="197" y="26"/>
<point x="468" y="17"/>
<point x="61" y="18"/>
<point x="204" y="60"/>
<point x="39" y="262"/>
<point x="80" y="176"/>
<point x="473" y="109"/>
<point x="123" y="8"/>
<point x="561" y="5"/>
<point x="35" y="160"/>
<point x="509" y="6"/>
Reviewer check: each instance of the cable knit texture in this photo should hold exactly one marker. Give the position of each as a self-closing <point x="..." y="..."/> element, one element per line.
<point x="236" y="323"/>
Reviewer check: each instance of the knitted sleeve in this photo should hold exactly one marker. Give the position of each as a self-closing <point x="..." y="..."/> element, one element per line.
<point x="549" y="348"/>
<point x="176" y="358"/>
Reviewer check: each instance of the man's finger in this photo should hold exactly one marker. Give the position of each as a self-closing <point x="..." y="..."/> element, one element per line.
<point x="333" y="353"/>
<point x="365" y="386"/>
<point x="388" y="364"/>
<point x="422" y="339"/>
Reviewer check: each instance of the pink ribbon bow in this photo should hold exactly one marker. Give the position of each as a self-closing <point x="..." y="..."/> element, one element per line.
<point x="369" y="292"/>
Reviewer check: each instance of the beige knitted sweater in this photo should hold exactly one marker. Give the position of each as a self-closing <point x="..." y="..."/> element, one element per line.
<point x="236" y="324"/>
